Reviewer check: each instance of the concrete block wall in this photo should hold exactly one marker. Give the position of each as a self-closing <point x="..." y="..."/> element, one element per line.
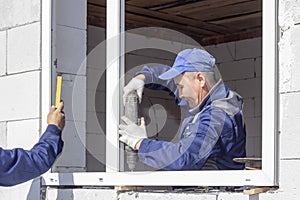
<point x="240" y="64"/>
<point x="96" y="99"/>
<point x="69" y="49"/>
<point x="110" y="194"/>
<point x="289" y="95"/>
<point x="20" y="80"/>
<point x="15" y="117"/>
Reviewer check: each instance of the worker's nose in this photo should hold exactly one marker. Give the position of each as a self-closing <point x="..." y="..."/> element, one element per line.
<point x="180" y="94"/>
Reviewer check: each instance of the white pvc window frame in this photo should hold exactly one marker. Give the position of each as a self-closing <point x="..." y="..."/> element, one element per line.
<point x="265" y="177"/>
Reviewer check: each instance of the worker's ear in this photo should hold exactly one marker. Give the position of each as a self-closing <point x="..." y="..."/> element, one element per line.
<point x="200" y="78"/>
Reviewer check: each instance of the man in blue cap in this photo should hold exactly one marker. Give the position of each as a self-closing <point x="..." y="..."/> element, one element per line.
<point x="212" y="133"/>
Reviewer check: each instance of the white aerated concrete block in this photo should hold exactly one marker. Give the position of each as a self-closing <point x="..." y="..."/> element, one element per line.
<point x="236" y="196"/>
<point x="289" y="130"/>
<point x="279" y="195"/>
<point x="14" y="12"/>
<point x="20" y="95"/>
<point x="253" y="126"/>
<point x="289" y="177"/>
<point x="250" y="48"/>
<point x="294" y="35"/>
<point x="96" y="80"/>
<point x="96" y="35"/>
<point x="135" y="62"/>
<point x="249" y="107"/>
<point x="73" y="154"/>
<point x="96" y="101"/>
<point x="294" y="69"/>
<point x="71" y="13"/>
<point x="236" y="70"/>
<point x="297" y="15"/>
<point x="289" y="70"/>
<point x="231" y="85"/>
<point x="3" y="49"/>
<point x="96" y="122"/>
<point x="165" y="196"/>
<point x="74" y="96"/>
<point x="222" y="52"/>
<point x="250" y="146"/>
<point x="80" y="194"/>
<point x="95" y="143"/>
<point x="3" y="135"/>
<point x="29" y="190"/>
<point x="143" y="56"/>
<point x="71" y="50"/>
<point x="23" y="134"/>
<point x="249" y="88"/>
<point x="258" y="66"/>
<point x="96" y="57"/>
<point x="289" y="60"/>
<point x="23" y="48"/>
<point x="258" y="106"/>
<point x="95" y="163"/>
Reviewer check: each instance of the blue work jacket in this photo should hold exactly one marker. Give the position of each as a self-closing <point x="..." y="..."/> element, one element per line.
<point x="211" y="135"/>
<point x="19" y="165"/>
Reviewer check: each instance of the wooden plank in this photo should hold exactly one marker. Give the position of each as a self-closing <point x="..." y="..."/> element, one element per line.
<point x="97" y="2"/>
<point x="167" y="17"/>
<point x="228" y="11"/>
<point x="98" y="11"/>
<point x="253" y="33"/>
<point x="194" y="36"/>
<point x="165" y="24"/>
<point x="129" y="188"/>
<point x="178" y="20"/>
<point x="247" y="159"/>
<point x="96" y="21"/>
<point x="240" y="19"/>
<point x="199" y="6"/>
<point x="211" y="32"/>
<point x="257" y="190"/>
<point x="149" y="3"/>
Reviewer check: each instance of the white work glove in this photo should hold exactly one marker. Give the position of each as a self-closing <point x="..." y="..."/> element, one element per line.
<point x="131" y="133"/>
<point x="134" y="84"/>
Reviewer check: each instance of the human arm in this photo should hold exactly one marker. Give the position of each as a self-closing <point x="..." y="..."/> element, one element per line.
<point x="152" y="81"/>
<point x="193" y="150"/>
<point x="148" y="77"/>
<point x="19" y="165"/>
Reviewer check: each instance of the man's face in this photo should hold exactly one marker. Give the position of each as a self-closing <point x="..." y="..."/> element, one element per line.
<point x="189" y="88"/>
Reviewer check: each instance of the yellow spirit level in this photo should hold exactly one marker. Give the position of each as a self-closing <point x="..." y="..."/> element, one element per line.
<point x="58" y="90"/>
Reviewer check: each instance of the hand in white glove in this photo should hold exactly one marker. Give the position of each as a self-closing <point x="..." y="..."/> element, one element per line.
<point x="134" y="84"/>
<point x="131" y="133"/>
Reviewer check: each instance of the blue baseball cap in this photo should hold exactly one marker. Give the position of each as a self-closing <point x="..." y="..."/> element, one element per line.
<point x="190" y="60"/>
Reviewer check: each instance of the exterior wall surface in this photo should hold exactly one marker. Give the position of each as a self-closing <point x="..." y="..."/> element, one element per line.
<point x="20" y="80"/>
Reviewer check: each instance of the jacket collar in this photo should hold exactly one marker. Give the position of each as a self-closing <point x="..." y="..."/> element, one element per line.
<point x="218" y="91"/>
